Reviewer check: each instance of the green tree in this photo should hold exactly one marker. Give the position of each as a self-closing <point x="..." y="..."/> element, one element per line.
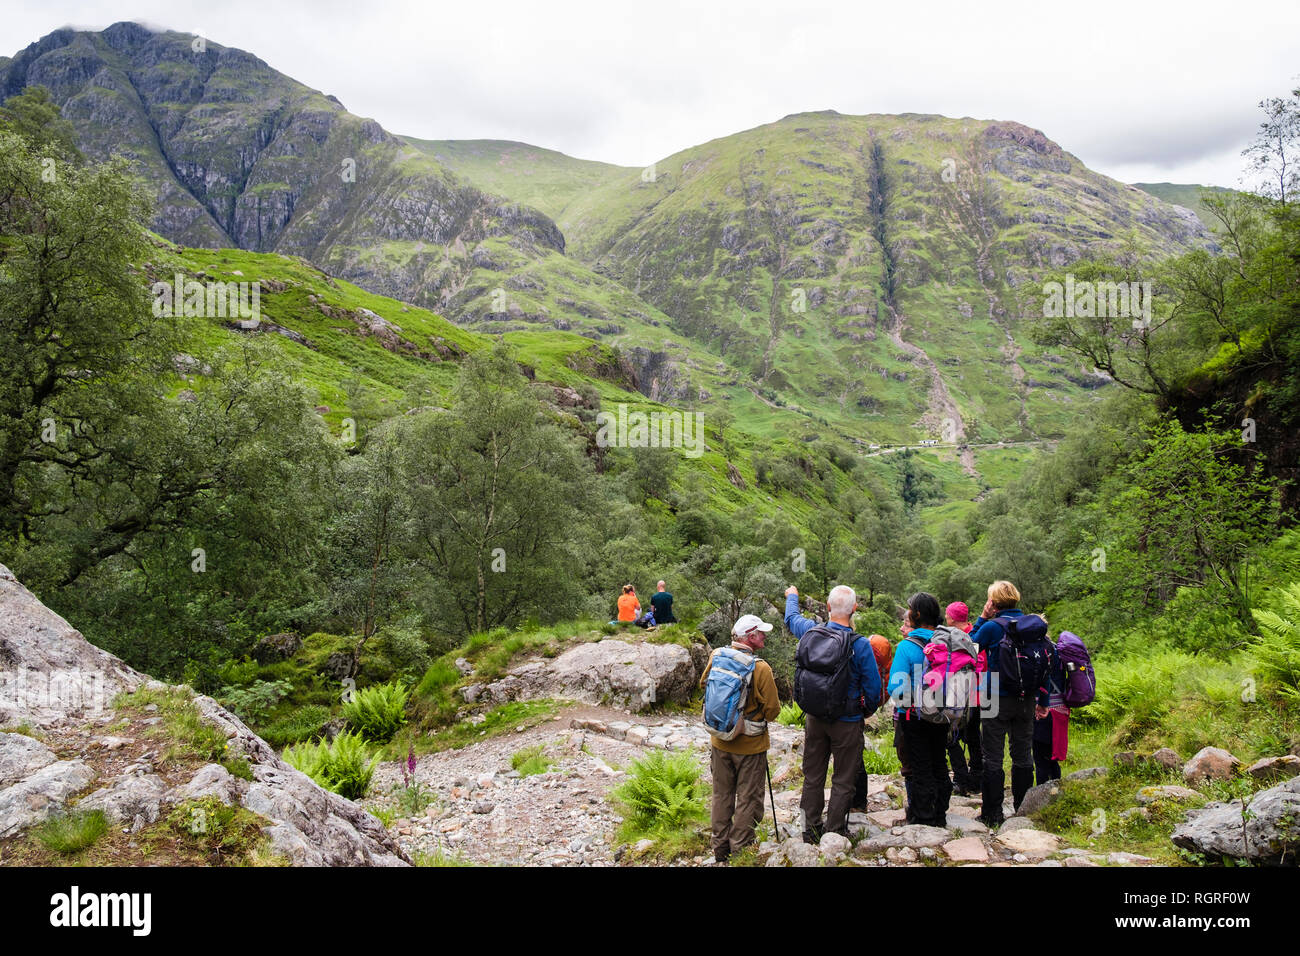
<point x="505" y="511"/>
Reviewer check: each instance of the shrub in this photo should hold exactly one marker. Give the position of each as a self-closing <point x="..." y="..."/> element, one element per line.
<point x="791" y="715"/>
<point x="343" y="765"/>
<point x="72" y="832"/>
<point x="377" y="712"/>
<point x="663" y="792"/>
<point x="251" y="703"/>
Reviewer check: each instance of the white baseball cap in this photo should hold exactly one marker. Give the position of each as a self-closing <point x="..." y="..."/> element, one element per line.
<point x="747" y="624"/>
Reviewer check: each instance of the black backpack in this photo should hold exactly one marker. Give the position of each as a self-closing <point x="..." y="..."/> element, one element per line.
<point x="1024" y="656"/>
<point x="823" y="668"/>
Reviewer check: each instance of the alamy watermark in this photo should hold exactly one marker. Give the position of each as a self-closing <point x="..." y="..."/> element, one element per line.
<point x="684" y="430"/>
<point x="70" y="691"/>
<point x="208" y="300"/>
<point x="1116" y="300"/>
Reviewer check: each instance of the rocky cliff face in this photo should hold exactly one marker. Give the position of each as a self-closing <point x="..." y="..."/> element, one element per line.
<point x="85" y="745"/>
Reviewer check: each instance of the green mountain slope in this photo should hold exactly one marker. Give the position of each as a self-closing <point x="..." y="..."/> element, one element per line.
<point x="542" y="178"/>
<point x="904" y="239"/>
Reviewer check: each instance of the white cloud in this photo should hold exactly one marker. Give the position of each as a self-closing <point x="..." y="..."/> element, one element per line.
<point x="1167" y="91"/>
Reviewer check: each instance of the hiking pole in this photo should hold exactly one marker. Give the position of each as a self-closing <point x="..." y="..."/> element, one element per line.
<point x="776" y="828"/>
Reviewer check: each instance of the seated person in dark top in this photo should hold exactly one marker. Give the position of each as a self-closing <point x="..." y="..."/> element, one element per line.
<point x="662" y="602"/>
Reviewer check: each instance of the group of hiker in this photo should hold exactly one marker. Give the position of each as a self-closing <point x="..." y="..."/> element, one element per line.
<point x="958" y="691"/>
<point x="659" y="612"/>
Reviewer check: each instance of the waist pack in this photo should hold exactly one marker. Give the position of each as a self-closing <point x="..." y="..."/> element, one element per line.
<point x="823" y="668"/>
<point x="1080" y="679"/>
<point x="726" y="694"/>
<point x="1024" y="656"/>
<point x="950" y="684"/>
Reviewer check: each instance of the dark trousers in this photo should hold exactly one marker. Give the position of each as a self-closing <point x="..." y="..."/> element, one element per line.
<point x="824" y="741"/>
<point x="737" y="799"/>
<point x="902" y="758"/>
<point x="968" y="777"/>
<point x="1012" y="728"/>
<point x="1045" y="768"/>
<point x="929" y="789"/>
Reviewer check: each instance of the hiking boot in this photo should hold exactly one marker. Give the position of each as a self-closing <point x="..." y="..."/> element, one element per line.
<point x="813" y="836"/>
<point x="721" y="856"/>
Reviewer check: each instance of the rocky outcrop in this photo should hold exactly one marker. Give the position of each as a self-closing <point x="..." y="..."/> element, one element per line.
<point x="633" y="676"/>
<point x="1265" y="830"/>
<point x="63" y="687"/>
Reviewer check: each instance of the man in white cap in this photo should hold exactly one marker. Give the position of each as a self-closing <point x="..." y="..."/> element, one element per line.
<point x="739" y="761"/>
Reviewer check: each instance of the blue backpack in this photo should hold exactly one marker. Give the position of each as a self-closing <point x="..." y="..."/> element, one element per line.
<point x="726" y="692"/>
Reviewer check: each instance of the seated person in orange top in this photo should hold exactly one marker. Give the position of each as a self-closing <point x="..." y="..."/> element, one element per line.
<point x="629" y="608"/>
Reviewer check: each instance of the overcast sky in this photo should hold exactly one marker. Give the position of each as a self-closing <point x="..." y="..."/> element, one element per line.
<point x="1139" y="91"/>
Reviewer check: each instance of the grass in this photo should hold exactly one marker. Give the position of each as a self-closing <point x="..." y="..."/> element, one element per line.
<point x="884" y="760"/>
<point x="500" y="720"/>
<point x="72" y="832"/>
<point x="439" y="857"/>
<point x="531" y="761"/>
<point x="1087" y="813"/>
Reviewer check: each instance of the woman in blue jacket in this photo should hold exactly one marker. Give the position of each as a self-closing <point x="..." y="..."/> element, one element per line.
<point x="925" y="744"/>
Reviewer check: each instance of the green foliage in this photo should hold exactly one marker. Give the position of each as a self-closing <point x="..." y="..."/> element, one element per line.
<point x="531" y="760"/>
<point x="72" y="832"/>
<point x="343" y="765"/>
<point x="377" y="712"/>
<point x="1277" y="648"/>
<point x="254" y="700"/>
<point x="225" y="833"/>
<point x="438" y="857"/>
<point x="303" y="723"/>
<point x="791" y="715"/>
<point x="663" y="792"/>
<point x="883" y="759"/>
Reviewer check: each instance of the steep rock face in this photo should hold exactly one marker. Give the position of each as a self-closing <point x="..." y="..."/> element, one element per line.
<point x="53" y="679"/>
<point x="241" y="155"/>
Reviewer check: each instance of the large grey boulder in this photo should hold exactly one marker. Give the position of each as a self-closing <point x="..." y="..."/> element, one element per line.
<point x="53" y="678"/>
<point x="1037" y="798"/>
<point x="41" y="794"/>
<point x="1269" y="834"/>
<point x="632" y="676"/>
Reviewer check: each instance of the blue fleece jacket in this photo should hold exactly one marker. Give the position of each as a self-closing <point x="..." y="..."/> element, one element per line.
<point x="864" y="681"/>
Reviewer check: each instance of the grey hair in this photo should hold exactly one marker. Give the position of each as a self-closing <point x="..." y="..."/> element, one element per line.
<point x="841" y="600"/>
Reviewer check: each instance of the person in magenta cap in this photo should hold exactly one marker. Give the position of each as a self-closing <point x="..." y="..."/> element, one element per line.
<point x="967" y="769"/>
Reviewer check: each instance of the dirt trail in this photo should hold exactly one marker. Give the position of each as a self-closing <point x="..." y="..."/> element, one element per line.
<point x="485" y="813"/>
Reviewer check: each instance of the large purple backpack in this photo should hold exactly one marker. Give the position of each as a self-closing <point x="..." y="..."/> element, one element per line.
<point x="1080" y="678"/>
